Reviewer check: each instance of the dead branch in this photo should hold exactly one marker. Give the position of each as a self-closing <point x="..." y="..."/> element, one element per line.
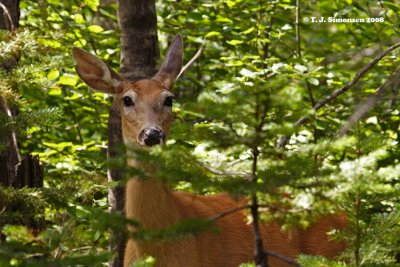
<point x="224" y="173"/>
<point x="367" y="105"/>
<point x="196" y="56"/>
<point x="285" y="139"/>
<point x="228" y="212"/>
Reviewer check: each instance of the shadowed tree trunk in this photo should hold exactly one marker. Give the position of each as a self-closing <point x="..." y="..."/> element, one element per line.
<point x="14" y="171"/>
<point x="139" y="56"/>
<point x="9" y="153"/>
<point x="11" y="12"/>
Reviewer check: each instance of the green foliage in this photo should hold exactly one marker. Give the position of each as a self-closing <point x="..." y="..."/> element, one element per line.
<point x="146" y="262"/>
<point x="317" y="261"/>
<point x="371" y="202"/>
<point x="38" y="225"/>
<point x="22" y="206"/>
<point x="253" y="81"/>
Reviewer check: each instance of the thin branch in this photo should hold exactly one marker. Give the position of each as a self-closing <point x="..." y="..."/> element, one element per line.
<point x="224" y="173"/>
<point x="260" y="257"/>
<point x="65" y="22"/>
<point x="263" y="208"/>
<point x="298" y="28"/>
<point x="367" y="105"/>
<point x="356" y="79"/>
<point x="284" y="140"/>
<point x="13" y="140"/>
<point x="8" y="16"/>
<point x="227" y="212"/>
<point x="233" y="130"/>
<point x="266" y="47"/>
<point x="298" y="42"/>
<point x="282" y="257"/>
<point x="310" y="94"/>
<point x="196" y="56"/>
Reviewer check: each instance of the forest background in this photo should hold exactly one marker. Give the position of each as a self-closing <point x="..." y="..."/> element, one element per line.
<point x="278" y="104"/>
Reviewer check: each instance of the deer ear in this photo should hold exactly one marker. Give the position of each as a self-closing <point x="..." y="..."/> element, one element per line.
<point x="172" y="63"/>
<point x="95" y="73"/>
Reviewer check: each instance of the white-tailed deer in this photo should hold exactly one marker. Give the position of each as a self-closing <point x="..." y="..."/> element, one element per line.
<point x="146" y="116"/>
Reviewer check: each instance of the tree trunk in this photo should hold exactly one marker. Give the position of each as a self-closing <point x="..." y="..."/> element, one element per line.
<point x="139" y="41"/>
<point x="9" y="18"/>
<point x="139" y="56"/>
<point x="116" y="194"/>
<point x="14" y="171"/>
<point x="9" y="152"/>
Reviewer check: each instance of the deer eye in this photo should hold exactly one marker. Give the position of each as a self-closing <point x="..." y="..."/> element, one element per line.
<point x="168" y="101"/>
<point x="127" y="101"/>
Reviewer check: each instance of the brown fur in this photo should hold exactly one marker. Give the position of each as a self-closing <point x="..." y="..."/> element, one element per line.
<point x="156" y="206"/>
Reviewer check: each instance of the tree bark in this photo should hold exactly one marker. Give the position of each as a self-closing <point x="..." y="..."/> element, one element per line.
<point x="9" y="152"/>
<point x="139" y="41"/>
<point x="116" y="194"/>
<point x="14" y="171"/>
<point x="139" y="56"/>
<point x="9" y="19"/>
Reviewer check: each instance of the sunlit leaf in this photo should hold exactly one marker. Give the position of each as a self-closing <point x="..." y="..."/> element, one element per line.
<point x="95" y="28"/>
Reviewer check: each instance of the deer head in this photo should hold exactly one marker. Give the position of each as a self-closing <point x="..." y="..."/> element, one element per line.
<point x="145" y="105"/>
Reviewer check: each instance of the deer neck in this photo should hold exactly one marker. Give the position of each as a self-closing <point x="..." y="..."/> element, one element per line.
<point x="150" y="201"/>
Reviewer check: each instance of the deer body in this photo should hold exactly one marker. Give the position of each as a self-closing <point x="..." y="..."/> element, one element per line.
<point x="233" y="245"/>
<point x="146" y="116"/>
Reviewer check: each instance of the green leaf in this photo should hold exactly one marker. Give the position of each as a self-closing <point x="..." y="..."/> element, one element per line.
<point x="344" y="11"/>
<point x="95" y="28"/>
<point x="53" y="74"/>
<point x="212" y="33"/>
<point x="313" y="81"/>
<point x="249" y="30"/>
<point x="147" y="261"/>
<point x="300" y="68"/>
<point x="247" y="73"/>
<point x="55" y="91"/>
<point x="93" y="4"/>
<point x="235" y="42"/>
<point x="79" y="19"/>
<point x="68" y="80"/>
<point x="230" y="3"/>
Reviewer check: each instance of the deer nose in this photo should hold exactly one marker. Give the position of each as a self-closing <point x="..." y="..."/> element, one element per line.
<point x="151" y="136"/>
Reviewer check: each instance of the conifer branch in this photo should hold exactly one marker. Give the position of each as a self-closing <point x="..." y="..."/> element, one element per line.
<point x="268" y="252"/>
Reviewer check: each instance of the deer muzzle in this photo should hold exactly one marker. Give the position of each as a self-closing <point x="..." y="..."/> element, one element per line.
<point x="151" y="136"/>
